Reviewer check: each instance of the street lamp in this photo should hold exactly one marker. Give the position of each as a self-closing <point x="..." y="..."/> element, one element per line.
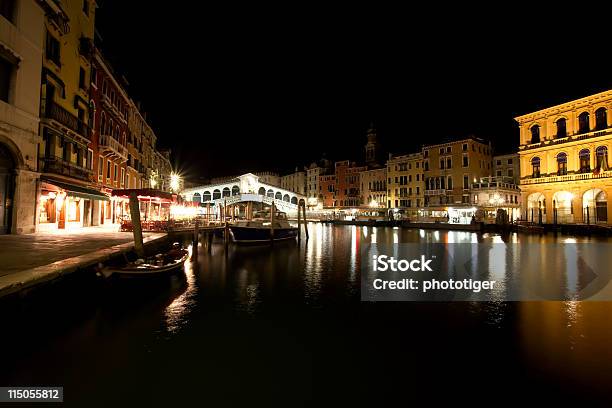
<point x="175" y="182"/>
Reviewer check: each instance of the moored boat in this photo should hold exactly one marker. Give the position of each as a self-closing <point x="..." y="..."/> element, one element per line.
<point x="158" y="265"/>
<point x="262" y="229"/>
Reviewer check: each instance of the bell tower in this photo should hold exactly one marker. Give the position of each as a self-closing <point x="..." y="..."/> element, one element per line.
<point x="371" y="147"/>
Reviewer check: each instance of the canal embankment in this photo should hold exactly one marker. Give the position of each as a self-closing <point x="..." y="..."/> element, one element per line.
<point x="28" y="262"/>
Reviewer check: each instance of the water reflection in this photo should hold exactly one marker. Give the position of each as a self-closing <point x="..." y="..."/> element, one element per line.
<point x="176" y="313"/>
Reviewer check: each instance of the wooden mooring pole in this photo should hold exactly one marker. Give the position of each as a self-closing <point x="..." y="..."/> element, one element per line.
<point x="137" y="228"/>
<point x="272" y="222"/>
<point x="305" y="223"/>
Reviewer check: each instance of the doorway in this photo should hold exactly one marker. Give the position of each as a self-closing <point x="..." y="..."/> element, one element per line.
<point x="7" y="187"/>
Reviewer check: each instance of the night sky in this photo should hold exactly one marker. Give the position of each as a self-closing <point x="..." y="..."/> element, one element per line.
<point x="239" y="90"/>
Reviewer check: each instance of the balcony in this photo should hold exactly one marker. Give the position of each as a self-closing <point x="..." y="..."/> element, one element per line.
<point x="566" y="177"/>
<point x="57" y="165"/>
<point x="567" y="139"/>
<point x="435" y="192"/>
<point x="111" y="147"/>
<point x="55" y="112"/>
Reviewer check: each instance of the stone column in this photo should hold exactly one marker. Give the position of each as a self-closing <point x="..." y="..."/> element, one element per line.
<point x="25" y="202"/>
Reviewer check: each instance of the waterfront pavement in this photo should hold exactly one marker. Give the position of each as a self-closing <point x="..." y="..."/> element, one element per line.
<point x="26" y="260"/>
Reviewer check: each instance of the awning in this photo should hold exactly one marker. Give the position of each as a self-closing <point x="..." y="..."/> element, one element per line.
<point x="78" y="191"/>
<point x="145" y="194"/>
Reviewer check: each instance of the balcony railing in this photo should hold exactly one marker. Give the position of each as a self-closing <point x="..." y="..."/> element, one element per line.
<point x="58" y="165"/>
<point x="435" y="192"/>
<point x="566" y="139"/>
<point x="61" y="115"/>
<point x="110" y="145"/>
<point x="567" y="177"/>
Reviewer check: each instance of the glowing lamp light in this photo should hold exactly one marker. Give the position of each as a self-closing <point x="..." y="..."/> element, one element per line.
<point x="175" y="181"/>
<point x="373" y="203"/>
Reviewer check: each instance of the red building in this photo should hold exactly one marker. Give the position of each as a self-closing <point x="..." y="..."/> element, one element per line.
<point x="110" y="105"/>
<point x="347" y="184"/>
<point x="327" y="189"/>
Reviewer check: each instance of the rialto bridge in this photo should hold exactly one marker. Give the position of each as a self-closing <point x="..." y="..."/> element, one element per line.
<point x="244" y="189"/>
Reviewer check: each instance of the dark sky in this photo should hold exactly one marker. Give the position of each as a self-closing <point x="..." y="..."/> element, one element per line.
<point x="239" y="90"/>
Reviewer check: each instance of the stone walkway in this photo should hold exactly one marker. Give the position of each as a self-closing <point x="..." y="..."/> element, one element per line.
<point x="21" y="252"/>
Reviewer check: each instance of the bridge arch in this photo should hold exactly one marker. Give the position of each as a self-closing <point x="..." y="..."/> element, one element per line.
<point x="216" y="194"/>
<point x="286" y="198"/>
<point x="206" y="196"/>
<point x="235" y="190"/>
<point x="278" y="196"/>
<point x="294" y="200"/>
<point x="262" y="191"/>
<point x="196" y="198"/>
<point x="270" y="193"/>
<point x="226" y="192"/>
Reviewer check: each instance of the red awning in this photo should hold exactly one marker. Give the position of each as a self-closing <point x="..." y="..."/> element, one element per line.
<point x="146" y="194"/>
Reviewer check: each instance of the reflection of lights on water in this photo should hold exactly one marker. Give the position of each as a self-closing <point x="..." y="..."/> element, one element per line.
<point x="437" y="235"/>
<point x="373" y="239"/>
<point x="365" y="232"/>
<point x="569" y="241"/>
<point x="176" y="313"/>
<point x="497" y="239"/>
<point x="422" y="233"/>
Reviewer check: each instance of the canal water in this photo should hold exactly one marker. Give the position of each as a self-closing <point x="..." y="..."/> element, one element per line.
<point x="285" y="326"/>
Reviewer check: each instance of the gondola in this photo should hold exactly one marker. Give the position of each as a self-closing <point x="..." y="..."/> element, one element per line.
<point x="158" y="265"/>
<point x="259" y="229"/>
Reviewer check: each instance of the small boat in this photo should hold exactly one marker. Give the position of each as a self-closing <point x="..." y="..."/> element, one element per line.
<point x="158" y="265"/>
<point x="259" y="229"/>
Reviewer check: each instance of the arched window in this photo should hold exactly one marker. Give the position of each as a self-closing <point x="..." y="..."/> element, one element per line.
<point x="286" y="198"/>
<point x="270" y="194"/>
<point x="206" y="196"/>
<point x="262" y="191"/>
<point x="197" y="198"/>
<point x="535" y="134"/>
<point x="216" y="194"/>
<point x="561" y="128"/>
<point x="294" y="200"/>
<point x="278" y="196"/>
<point x="103" y="124"/>
<point x="235" y="190"/>
<point x="601" y="119"/>
<point x="109" y="129"/>
<point x="583" y="122"/>
<point x="601" y="154"/>
<point x="585" y="160"/>
<point x="561" y="164"/>
<point x="535" y="167"/>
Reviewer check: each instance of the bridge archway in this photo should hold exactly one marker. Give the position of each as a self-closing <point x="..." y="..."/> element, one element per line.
<point x="216" y="194"/>
<point x="278" y="196"/>
<point x="286" y="198"/>
<point x="270" y="193"/>
<point x="536" y="205"/>
<point x="262" y="191"/>
<point x="226" y="192"/>
<point x="294" y="200"/>
<point x="196" y="198"/>
<point x="235" y="190"/>
<point x="206" y="196"/>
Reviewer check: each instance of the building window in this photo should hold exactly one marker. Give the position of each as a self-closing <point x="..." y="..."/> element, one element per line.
<point x="115" y="173"/>
<point x="561" y="128"/>
<point x="108" y="169"/>
<point x="510" y="173"/>
<point x="6" y="72"/>
<point x="122" y="176"/>
<point x="535" y="134"/>
<point x="601" y="119"/>
<point x="426" y="153"/>
<point x="442" y="164"/>
<point x="441" y="150"/>
<point x="426" y="165"/>
<point x="465" y="160"/>
<point x="583" y="122"/>
<point x="86" y="7"/>
<point x="81" y="78"/>
<point x="498" y="173"/>
<point x="535" y="167"/>
<point x="585" y="160"/>
<point x="449" y="149"/>
<point x="449" y="163"/>
<point x="509" y="161"/>
<point x="52" y="49"/>
<point x="89" y="160"/>
<point x="561" y="164"/>
<point x="7" y="8"/>
<point x="499" y="162"/>
<point x="601" y="153"/>
<point x="464" y="147"/>
<point x="100" y="166"/>
<point x="466" y="182"/>
<point x="449" y="184"/>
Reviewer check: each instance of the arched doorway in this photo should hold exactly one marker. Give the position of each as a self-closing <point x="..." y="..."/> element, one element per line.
<point x="563" y="212"/>
<point x="536" y="208"/>
<point x="235" y="190"/>
<point x="594" y="206"/>
<point x="7" y="187"/>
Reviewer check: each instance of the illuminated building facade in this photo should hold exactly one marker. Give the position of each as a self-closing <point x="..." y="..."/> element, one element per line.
<point x="295" y="182"/>
<point x="346" y="190"/>
<point x="373" y="188"/>
<point x="405" y="183"/>
<point x="565" y="175"/>
<point x="450" y="169"/>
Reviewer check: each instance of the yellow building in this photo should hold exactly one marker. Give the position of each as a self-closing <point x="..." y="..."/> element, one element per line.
<point x="405" y="183"/>
<point x="66" y="196"/>
<point x="373" y="188"/>
<point x="450" y="170"/>
<point x="565" y="176"/>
